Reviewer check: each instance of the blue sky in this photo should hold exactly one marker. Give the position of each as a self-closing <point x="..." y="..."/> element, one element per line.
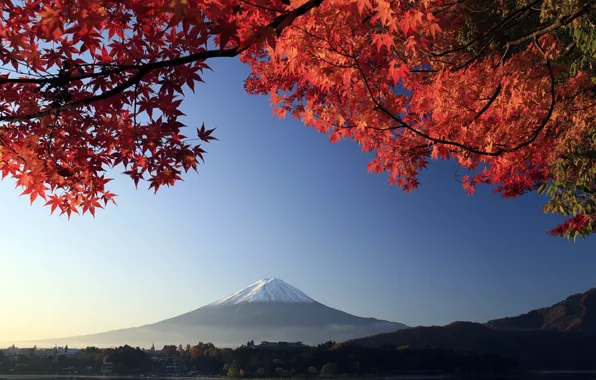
<point x="275" y="199"/>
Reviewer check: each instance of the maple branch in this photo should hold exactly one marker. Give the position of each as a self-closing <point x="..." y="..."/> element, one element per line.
<point x="49" y="145"/>
<point x="591" y="154"/>
<point x="5" y="144"/>
<point x="499" y="26"/>
<point x="262" y="7"/>
<point x="22" y="80"/>
<point x="559" y="23"/>
<point x="445" y="7"/>
<point x="279" y="24"/>
<point x="583" y="108"/>
<point x="119" y="69"/>
<point x="315" y="56"/>
<point x="327" y="41"/>
<point x="490" y="102"/>
<point x="477" y="55"/>
<point x="498" y="152"/>
<point x="134" y="115"/>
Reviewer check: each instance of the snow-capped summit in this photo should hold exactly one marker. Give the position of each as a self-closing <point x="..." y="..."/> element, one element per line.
<point x="266" y="290"/>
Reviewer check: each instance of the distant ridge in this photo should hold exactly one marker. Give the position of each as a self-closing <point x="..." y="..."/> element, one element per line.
<point x="576" y="313"/>
<point x="560" y="336"/>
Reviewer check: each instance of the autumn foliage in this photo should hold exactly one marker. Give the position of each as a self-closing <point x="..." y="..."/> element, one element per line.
<point x="506" y="88"/>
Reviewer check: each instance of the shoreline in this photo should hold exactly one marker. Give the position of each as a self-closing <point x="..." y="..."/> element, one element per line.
<point x="421" y="376"/>
<point x="532" y="374"/>
<point x="62" y="377"/>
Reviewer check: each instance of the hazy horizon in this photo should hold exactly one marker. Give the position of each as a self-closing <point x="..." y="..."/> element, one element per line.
<point x="275" y="199"/>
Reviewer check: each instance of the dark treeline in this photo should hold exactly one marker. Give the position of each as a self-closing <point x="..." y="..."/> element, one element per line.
<point x="324" y="360"/>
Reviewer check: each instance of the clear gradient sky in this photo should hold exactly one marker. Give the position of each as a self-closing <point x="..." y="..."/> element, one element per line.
<point x="278" y="200"/>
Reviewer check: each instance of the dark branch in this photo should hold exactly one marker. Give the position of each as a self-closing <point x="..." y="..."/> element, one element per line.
<point x="490" y="102"/>
<point x="559" y="23"/>
<point x="279" y="24"/>
<point x="497" y="28"/>
<point x="445" y="7"/>
<point x="591" y="154"/>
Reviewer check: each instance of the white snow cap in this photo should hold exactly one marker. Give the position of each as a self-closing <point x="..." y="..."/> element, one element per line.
<point x="266" y="290"/>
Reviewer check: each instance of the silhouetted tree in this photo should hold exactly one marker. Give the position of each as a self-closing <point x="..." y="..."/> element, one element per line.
<point x="329" y="369"/>
<point x="169" y="351"/>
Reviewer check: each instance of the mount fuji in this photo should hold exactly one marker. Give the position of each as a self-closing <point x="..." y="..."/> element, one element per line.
<point x="269" y="309"/>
